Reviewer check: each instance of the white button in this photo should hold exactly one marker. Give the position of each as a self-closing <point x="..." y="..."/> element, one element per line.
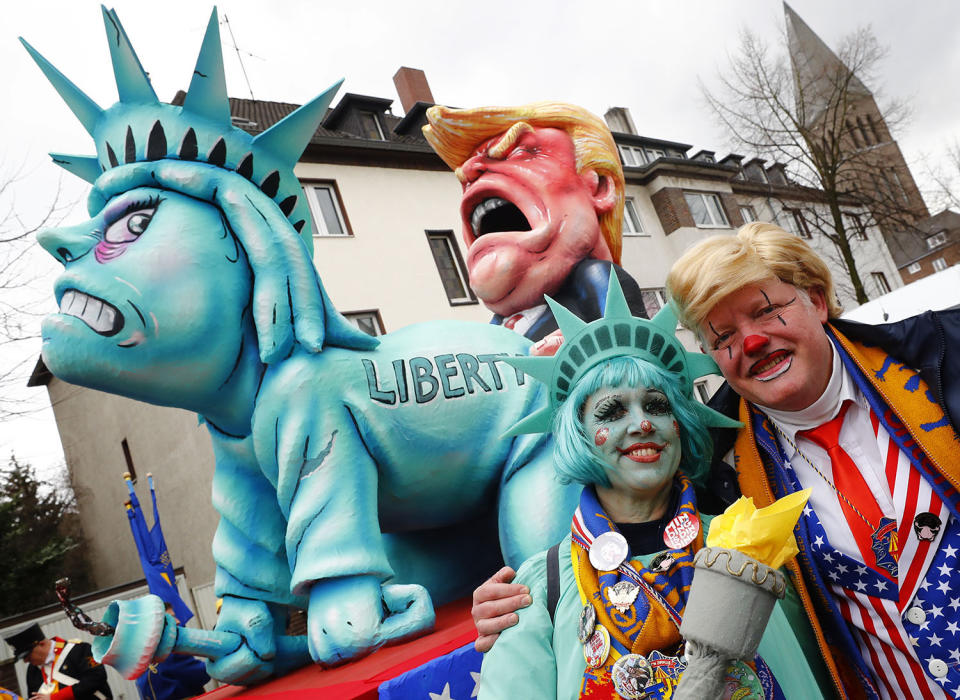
<point x="916" y="616"/>
<point x="937" y="668"/>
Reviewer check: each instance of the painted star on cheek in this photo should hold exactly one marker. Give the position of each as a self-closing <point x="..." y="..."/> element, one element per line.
<point x="601" y="436"/>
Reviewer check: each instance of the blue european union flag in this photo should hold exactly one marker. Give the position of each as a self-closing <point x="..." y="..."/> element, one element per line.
<point x="154" y="557"/>
<point x="453" y="676"/>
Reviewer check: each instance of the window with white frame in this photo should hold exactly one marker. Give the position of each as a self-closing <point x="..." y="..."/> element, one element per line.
<point x="654" y="299"/>
<point x="747" y="213"/>
<point x="939" y="265"/>
<point x="706" y="210"/>
<point x="702" y="392"/>
<point x="937" y="239"/>
<point x="797" y="223"/>
<point x="654" y="153"/>
<point x="369" y="322"/>
<point x="327" y="210"/>
<point x="632" y="156"/>
<point x="450" y="265"/>
<point x="632" y="226"/>
<point x="370" y="126"/>
<point x="880" y="280"/>
<point x="914" y="268"/>
<point x="855" y="226"/>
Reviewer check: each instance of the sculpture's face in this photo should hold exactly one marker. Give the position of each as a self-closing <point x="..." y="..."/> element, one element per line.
<point x="151" y="299"/>
<point x="770" y="344"/>
<point x="634" y="432"/>
<point x="529" y="217"/>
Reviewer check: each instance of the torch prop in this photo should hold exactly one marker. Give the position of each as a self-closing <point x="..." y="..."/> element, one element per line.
<point x="736" y="583"/>
<point x="136" y="633"/>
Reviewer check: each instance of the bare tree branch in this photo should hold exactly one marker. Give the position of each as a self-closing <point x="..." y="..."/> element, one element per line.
<point x="812" y="118"/>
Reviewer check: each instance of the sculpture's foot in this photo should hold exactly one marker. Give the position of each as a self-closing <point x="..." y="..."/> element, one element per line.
<point x="351" y="616"/>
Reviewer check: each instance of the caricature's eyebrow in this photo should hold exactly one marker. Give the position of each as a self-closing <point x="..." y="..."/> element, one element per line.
<point x="765" y="296"/>
<point x="710" y="323"/>
<point x="501" y="148"/>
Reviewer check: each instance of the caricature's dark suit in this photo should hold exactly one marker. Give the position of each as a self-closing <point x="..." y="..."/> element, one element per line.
<point x="584" y="292"/>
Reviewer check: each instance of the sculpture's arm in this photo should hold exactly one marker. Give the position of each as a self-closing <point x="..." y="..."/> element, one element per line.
<point x="326" y="482"/>
<point x="252" y="578"/>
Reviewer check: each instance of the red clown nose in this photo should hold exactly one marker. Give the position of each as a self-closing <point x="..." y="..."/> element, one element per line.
<point x="752" y="343"/>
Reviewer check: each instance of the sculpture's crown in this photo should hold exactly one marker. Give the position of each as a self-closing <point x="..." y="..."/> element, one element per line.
<point x="141" y="128"/>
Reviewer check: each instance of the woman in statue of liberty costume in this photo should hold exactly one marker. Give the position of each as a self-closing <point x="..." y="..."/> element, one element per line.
<point x="608" y="600"/>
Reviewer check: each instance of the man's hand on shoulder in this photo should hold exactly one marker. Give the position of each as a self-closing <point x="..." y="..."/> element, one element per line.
<point x="495" y="605"/>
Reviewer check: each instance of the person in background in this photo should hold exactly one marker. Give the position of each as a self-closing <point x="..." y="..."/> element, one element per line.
<point x="59" y="669"/>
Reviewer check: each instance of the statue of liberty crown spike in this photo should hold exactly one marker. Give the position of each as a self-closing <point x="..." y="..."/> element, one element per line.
<point x="618" y="334"/>
<point x="141" y="128"/>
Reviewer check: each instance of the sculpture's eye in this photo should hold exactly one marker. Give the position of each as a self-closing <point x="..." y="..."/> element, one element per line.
<point x="130" y="226"/>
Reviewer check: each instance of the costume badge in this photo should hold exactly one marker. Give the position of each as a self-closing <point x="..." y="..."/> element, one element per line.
<point x="608" y="551"/>
<point x="666" y="668"/>
<point x="588" y="621"/>
<point x="681" y="531"/>
<point x="926" y="526"/>
<point x="884" y="546"/>
<point x="662" y="563"/>
<point x="631" y="675"/>
<point x="744" y="681"/>
<point x="622" y="594"/>
<point x="597" y="648"/>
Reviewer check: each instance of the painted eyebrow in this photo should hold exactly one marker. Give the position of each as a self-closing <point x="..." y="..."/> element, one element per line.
<point x="501" y="148"/>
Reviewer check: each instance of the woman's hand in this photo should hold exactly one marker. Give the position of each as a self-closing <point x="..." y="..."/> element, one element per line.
<point x="495" y="605"/>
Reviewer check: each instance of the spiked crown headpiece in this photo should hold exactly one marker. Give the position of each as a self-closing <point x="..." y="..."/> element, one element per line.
<point x="618" y="334"/>
<point x="141" y="128"/>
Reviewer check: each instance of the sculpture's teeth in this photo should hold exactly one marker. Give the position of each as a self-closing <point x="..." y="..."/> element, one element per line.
<point x="101" y="316"/>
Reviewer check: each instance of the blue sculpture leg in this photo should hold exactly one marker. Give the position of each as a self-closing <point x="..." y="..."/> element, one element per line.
<point x="535" y="508"/>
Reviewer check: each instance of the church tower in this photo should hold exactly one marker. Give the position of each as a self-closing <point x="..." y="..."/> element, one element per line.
<point x="877" y="167"/>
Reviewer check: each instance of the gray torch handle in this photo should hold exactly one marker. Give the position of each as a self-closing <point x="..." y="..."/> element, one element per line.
<point x="704" y="676"/>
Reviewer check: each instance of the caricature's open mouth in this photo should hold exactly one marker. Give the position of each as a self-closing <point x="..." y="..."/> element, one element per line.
<point x="497" y="214"/>
<point x="102" y="317"/>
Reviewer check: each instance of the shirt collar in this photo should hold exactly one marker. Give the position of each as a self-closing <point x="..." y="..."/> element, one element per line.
<point x="840" y="388"/>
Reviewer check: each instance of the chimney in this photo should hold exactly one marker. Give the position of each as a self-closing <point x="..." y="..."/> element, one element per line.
<point x="412" y="87"/>
<point x="619" y="120"/>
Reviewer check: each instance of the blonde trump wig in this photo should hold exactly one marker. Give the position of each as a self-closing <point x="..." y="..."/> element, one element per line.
<point x="456" y="133"/>
<point x="720" y="265"/>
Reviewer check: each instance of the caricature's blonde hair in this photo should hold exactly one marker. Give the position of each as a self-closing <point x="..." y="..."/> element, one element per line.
<point x="720" y="265"/>
<point x="456" y="133"/>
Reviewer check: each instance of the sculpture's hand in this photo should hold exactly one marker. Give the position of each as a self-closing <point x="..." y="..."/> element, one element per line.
<point x="548" y="345"/>
<point x="253" y="660"/>
<point x="348" y="617"/>
<point x="495" y="605"/>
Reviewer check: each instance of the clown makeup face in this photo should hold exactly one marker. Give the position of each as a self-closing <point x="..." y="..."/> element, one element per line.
<point x="640" y="445"/>
<point x="529" y="217"/>
<point x="770" y="344"/>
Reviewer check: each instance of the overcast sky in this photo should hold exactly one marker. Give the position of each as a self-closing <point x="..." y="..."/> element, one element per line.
<point x="647" y="56"/>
